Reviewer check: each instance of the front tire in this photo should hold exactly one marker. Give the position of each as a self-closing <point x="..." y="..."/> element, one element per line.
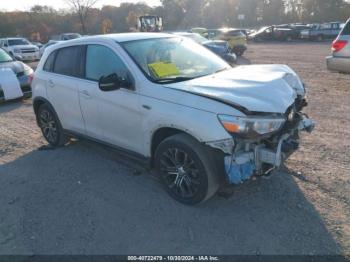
<point x="187" y="169"/>
<point x="51" y="127"/>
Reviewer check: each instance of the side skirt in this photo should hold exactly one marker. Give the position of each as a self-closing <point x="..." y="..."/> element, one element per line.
<point x="140" y="159"/>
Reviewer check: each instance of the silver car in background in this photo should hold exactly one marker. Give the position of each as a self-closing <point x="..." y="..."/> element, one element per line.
<point x="340" y="59"/>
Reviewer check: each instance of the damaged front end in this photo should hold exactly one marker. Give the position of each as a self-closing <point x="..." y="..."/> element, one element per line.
<point x="260" y="145"/>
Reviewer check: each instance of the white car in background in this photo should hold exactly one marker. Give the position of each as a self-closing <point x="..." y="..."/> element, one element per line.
<point x="20" y="48"/>
<point x="170" y="101"/>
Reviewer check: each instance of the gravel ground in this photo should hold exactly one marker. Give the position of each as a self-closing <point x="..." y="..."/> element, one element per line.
<point x="88" y="199"/>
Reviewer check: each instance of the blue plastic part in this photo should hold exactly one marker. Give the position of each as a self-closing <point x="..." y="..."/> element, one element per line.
<point x="237" y="174"/>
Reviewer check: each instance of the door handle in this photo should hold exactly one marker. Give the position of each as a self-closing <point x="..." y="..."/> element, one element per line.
<point x="51" y="83"/>
<point x="85" y="93"/>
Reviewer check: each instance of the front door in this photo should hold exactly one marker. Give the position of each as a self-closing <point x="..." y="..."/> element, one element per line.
<point x="111" y="116"/>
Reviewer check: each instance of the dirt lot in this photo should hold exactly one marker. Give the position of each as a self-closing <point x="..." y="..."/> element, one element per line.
<point x="87" y="199"/>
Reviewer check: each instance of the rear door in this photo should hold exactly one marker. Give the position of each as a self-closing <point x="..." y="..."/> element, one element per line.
<point x="65" y="69"/>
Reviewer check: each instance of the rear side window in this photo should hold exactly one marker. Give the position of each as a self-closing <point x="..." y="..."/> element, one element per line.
<point x="48" y="67"/>
<point x="69" y="61"/>
<point x="346" y="30"/>
<point x="102" y="61"/>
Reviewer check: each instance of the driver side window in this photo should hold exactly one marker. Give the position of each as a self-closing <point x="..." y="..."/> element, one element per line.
<point x="102" y="61"/>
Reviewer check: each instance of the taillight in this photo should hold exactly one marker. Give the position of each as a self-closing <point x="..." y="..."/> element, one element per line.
<point x="338" y="45"/>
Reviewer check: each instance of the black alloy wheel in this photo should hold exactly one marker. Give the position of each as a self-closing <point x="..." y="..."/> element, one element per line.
<point x="180" y="172"/>
<point x="50" y="126"/>
<point x="187" y="169"/>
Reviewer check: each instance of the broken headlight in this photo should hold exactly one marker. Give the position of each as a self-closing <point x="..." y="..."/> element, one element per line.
<point x="251" y="127"/>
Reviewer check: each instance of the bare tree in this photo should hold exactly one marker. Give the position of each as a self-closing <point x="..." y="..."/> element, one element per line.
<point x="81" y="8"/>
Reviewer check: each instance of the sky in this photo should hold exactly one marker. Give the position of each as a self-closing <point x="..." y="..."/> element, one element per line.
<point x="11" y="5"/>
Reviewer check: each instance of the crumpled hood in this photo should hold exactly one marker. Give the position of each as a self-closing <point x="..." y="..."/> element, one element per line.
<point x="257" y="88"/>
<point x="16" y="66"/>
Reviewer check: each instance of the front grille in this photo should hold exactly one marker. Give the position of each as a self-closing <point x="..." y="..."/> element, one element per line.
<point x="28" y="51"/>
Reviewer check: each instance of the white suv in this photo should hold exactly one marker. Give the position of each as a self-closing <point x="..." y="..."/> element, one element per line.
<point x="20" y="48"/>
<point x="200" y="123"/>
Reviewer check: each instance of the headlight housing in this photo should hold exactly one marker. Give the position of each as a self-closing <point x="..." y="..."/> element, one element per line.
<point x="251" y="127"/>
<point x="16" y="50"/>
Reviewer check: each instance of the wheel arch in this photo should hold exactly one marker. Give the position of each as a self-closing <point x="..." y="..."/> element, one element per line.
<point x="162" y="133"/>
<point x="39" y="101"/>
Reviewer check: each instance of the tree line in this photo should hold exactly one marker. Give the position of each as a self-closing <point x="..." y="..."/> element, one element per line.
<point x="41" y="22"/>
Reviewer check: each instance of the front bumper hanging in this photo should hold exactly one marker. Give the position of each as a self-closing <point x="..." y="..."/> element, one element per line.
<point x="261" y="160"/>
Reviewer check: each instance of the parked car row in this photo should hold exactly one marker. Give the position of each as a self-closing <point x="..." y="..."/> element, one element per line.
<point x="20" y="48"/>
<point x="289" y="32"/>
<point x="236" y="38"/>
<point x="320" y="32"/>
<point x="219" y="47"/>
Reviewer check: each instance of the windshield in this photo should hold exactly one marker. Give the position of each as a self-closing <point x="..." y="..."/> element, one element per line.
<point x="18" y="42"/>
<point x="5" y="57"/>
<point x="173" y="59"/>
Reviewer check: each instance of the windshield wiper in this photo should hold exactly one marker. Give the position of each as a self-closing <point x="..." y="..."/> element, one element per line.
<point x="174" y="79"/>
<point x="186" y="78"/>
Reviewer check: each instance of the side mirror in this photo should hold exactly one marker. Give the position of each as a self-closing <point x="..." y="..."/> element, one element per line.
<point x="113" y="82"/>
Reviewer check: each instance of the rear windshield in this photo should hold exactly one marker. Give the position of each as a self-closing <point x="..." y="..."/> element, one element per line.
<point x="346" y="30"/>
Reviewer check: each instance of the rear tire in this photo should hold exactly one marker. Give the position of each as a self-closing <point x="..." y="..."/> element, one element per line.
<point x="51" y="127"/>
<point x="187" y="169"/>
